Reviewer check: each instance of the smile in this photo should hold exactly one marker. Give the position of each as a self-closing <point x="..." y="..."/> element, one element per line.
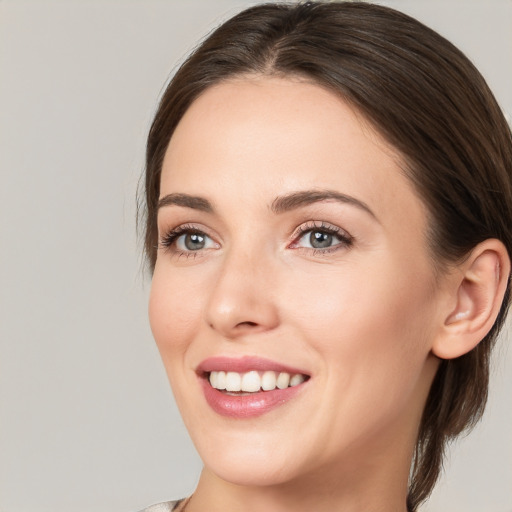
<point x="254" y="381"/>
<point x="248" y="387"/>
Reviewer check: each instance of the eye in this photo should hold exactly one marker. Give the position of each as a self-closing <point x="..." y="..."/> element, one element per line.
<point x="194" y="241"/>
<point x="321" y="237"/>
<point x="186" y="240"/>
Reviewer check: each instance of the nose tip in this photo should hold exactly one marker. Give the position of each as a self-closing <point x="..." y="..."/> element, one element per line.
<point x="241" y="302"/>
<point x="242" y="317"/>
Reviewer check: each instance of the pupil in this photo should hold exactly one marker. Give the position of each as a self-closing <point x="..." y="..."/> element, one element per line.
<point x="194" y="241"/>
<point x="320" y="240"/>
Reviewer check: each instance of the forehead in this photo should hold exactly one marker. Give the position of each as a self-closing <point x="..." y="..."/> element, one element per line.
<point x="260" y="137"/>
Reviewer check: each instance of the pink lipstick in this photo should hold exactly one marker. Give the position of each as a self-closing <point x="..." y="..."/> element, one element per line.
<point x="248" y="386"/>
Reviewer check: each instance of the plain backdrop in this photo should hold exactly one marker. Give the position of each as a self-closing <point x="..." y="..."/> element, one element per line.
<point x="87" y="420"/>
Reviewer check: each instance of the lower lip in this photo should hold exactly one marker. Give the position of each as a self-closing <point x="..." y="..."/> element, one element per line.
<point x="247" y="406"/>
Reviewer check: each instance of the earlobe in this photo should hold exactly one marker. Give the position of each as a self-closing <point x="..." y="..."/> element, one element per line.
<point x="477" y="294"/>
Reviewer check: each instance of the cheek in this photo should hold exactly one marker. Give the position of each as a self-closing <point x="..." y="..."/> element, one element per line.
<point x="359" y="315"/>
<point x="175" y="304"/>
<point x="371" y="331"/>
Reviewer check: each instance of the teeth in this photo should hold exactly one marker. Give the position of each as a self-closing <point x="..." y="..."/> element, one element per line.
<point x="296" y="380"/>
<point x="283" y="380"/>
<point x="253" y="381"/>
<point x="233" y="381"/>
<point x="268" y="381"/>
<point x="221" y="380"/>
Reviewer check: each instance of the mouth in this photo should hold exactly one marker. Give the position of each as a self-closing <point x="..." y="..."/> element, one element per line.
<point x="247" y="387"/>
<point x="253" y="381"/>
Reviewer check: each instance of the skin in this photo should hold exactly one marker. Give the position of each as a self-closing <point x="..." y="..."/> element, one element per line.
<point x="361" y="317"/>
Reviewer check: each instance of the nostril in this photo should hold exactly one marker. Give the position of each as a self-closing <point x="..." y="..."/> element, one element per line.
<point x="248" y="324"/>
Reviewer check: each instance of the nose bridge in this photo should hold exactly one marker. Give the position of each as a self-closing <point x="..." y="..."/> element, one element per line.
<point x="242" y="299"/>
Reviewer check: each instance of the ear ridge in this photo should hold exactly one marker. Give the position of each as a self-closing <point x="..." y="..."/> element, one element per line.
<point x="478" y="295"/>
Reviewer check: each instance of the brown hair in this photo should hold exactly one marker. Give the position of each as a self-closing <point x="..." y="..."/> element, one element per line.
<point x="422" y="95"/>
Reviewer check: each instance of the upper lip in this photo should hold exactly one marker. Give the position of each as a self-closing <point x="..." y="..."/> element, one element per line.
<point x="245" y="364"/>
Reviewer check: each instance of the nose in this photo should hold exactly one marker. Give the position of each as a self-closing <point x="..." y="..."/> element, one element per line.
<point x="243" y="300"/>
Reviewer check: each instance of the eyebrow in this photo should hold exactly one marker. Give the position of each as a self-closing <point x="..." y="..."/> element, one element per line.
<point x="186" y="200"/>
<point x="296" y="200"/>
<point x="281" y="204"/>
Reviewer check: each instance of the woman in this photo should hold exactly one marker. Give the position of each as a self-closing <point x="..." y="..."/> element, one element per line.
<point x="328" y="226"/>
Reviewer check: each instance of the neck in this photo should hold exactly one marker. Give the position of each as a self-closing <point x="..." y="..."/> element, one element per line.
<point x="370" y="487"/>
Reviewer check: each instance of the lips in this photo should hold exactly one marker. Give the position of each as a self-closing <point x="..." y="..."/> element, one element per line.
<point x="244" y="364"/>
<point x="247" y="387"/>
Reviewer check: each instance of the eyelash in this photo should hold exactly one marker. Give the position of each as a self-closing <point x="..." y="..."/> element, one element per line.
<point x="346" y="240"/>
<point x="168" y="240"/>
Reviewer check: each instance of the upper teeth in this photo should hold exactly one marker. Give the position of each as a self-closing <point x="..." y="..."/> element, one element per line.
<point x="253" y="381"/>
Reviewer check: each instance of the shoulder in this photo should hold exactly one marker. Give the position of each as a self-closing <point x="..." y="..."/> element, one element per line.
<point x="168" y="506"/>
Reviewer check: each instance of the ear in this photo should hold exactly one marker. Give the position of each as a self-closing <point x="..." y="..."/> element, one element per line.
<point x="476" y="296"/>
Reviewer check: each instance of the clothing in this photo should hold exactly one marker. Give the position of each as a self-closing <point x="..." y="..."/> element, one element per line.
<point x="168" y="506"/>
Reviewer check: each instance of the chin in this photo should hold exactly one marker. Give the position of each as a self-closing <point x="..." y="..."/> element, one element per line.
<point x="254" y="463"/>
<point x="263" y="472"/>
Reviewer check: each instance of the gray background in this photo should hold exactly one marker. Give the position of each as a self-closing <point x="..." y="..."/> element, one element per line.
<point x="87" y="421"/>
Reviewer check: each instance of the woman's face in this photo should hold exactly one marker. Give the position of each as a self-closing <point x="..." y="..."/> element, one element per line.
<point x="291" y="245"/>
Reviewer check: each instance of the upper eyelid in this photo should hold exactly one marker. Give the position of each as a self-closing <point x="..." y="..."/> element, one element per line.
<point x="303" y="226"/>
<point x="320" y="225"/>
<point x="184" y="228"/>
<point x="165" y="235"/>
